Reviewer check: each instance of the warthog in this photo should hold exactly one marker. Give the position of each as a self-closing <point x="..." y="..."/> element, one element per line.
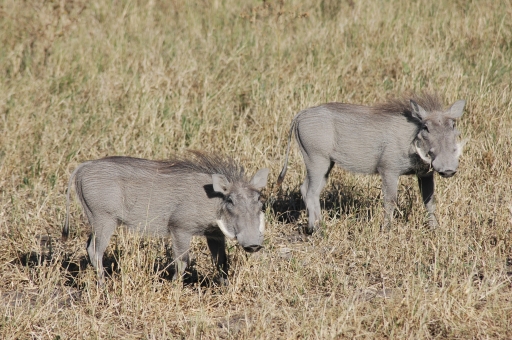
<point x="180" y="198"/>
<point x="400" y="137"/>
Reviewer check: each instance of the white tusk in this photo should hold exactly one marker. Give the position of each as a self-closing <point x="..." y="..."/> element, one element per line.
<point x="224" y="230"/>
<point x="262" y="222"/>
<point x="426" y="158"/>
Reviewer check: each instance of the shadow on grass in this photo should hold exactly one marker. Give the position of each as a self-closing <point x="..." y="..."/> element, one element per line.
<point x="336" y="200"/>
<point x="71" y="266"/>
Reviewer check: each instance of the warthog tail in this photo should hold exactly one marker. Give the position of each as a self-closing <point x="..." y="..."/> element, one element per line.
<point x="285" y="167"/>
<point x="65" y="229"/>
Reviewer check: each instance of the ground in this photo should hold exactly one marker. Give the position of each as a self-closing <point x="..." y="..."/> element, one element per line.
<point x="81" y="80"/>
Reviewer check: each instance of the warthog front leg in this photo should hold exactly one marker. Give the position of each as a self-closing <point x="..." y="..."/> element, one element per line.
<point x="389" y="191"/>
<point x="217" y="246"/>
<point x="180" y="250"/>
<point x="426" y="184"/>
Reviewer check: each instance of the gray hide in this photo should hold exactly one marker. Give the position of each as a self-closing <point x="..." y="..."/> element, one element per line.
<point x="400" y="137"/>
<point x="179" y="198"/>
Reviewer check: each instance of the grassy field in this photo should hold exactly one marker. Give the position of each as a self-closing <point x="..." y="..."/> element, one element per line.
<point x="85" y="79"/>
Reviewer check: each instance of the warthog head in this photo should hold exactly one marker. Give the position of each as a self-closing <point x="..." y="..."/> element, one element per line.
<point x="436" y="142"/>
<point x="241" y="217"/>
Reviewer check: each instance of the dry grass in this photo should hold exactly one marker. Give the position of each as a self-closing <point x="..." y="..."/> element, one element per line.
<point x="85" y="79"/>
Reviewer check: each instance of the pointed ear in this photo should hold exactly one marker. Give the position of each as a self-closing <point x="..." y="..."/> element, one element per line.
<point x="259" y="181"/>
<point x="221" y="184"/>
<point x="456" y="110"/>
<point x="418" y="111"/>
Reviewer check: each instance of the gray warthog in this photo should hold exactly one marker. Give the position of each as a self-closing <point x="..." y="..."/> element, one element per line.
<point x="180" y="198"/>
<point x="399" y="137"/>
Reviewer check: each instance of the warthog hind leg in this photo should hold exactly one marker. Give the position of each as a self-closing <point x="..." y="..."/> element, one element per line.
<point x="98" y="241"/>
<point x="318" y="170"/>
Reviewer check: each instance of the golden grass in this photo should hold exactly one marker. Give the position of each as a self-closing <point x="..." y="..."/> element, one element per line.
<point x="84" y="79"/>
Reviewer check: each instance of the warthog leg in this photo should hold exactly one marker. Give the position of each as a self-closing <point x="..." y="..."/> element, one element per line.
<point x="98" y="241"/>
<point x="180" y="250"/>
<point x="426" y="184"/>
<point x="318" y="169"/>
<point x="389" y="191"/>
<point x="217" y="246"/>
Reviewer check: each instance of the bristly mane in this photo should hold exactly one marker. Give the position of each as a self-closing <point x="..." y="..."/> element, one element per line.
<point x="199" y="163"/>
<point x="429" y="101"/>
<point x="207" y="164"/>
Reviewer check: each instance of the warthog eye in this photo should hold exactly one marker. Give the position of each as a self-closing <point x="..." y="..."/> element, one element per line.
<point x="229" y="200"/>
<point x="425" y="128"/>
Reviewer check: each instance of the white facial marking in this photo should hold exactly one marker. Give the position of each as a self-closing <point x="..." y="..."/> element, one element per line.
<point x="262" y="222"/>
<point x="224" y="230"/>
<point x="426" y="158"/>
<point x="459" y="150"/>
<point x="460" y="146"/>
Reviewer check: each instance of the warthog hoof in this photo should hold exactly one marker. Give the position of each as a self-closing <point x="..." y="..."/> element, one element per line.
<point x="385" y="227"/>
<point x="223" y="281"/>
<point x="432" y="223"/>
<point x="309" y="230"/>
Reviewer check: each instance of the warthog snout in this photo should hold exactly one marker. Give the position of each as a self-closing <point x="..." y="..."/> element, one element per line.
<point x="447" y="173"/>
<point x="252" y="249"/>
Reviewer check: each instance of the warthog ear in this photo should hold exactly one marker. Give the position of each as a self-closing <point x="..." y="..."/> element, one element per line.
<point x="418" y="111"/>
<point x="456" y="110"/>
<point x="221" y="184"/>
<point x="259" y="180"/>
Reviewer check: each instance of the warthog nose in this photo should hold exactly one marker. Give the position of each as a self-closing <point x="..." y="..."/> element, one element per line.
<point x="447" y="173"/>
<point x="252" y="249"/>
